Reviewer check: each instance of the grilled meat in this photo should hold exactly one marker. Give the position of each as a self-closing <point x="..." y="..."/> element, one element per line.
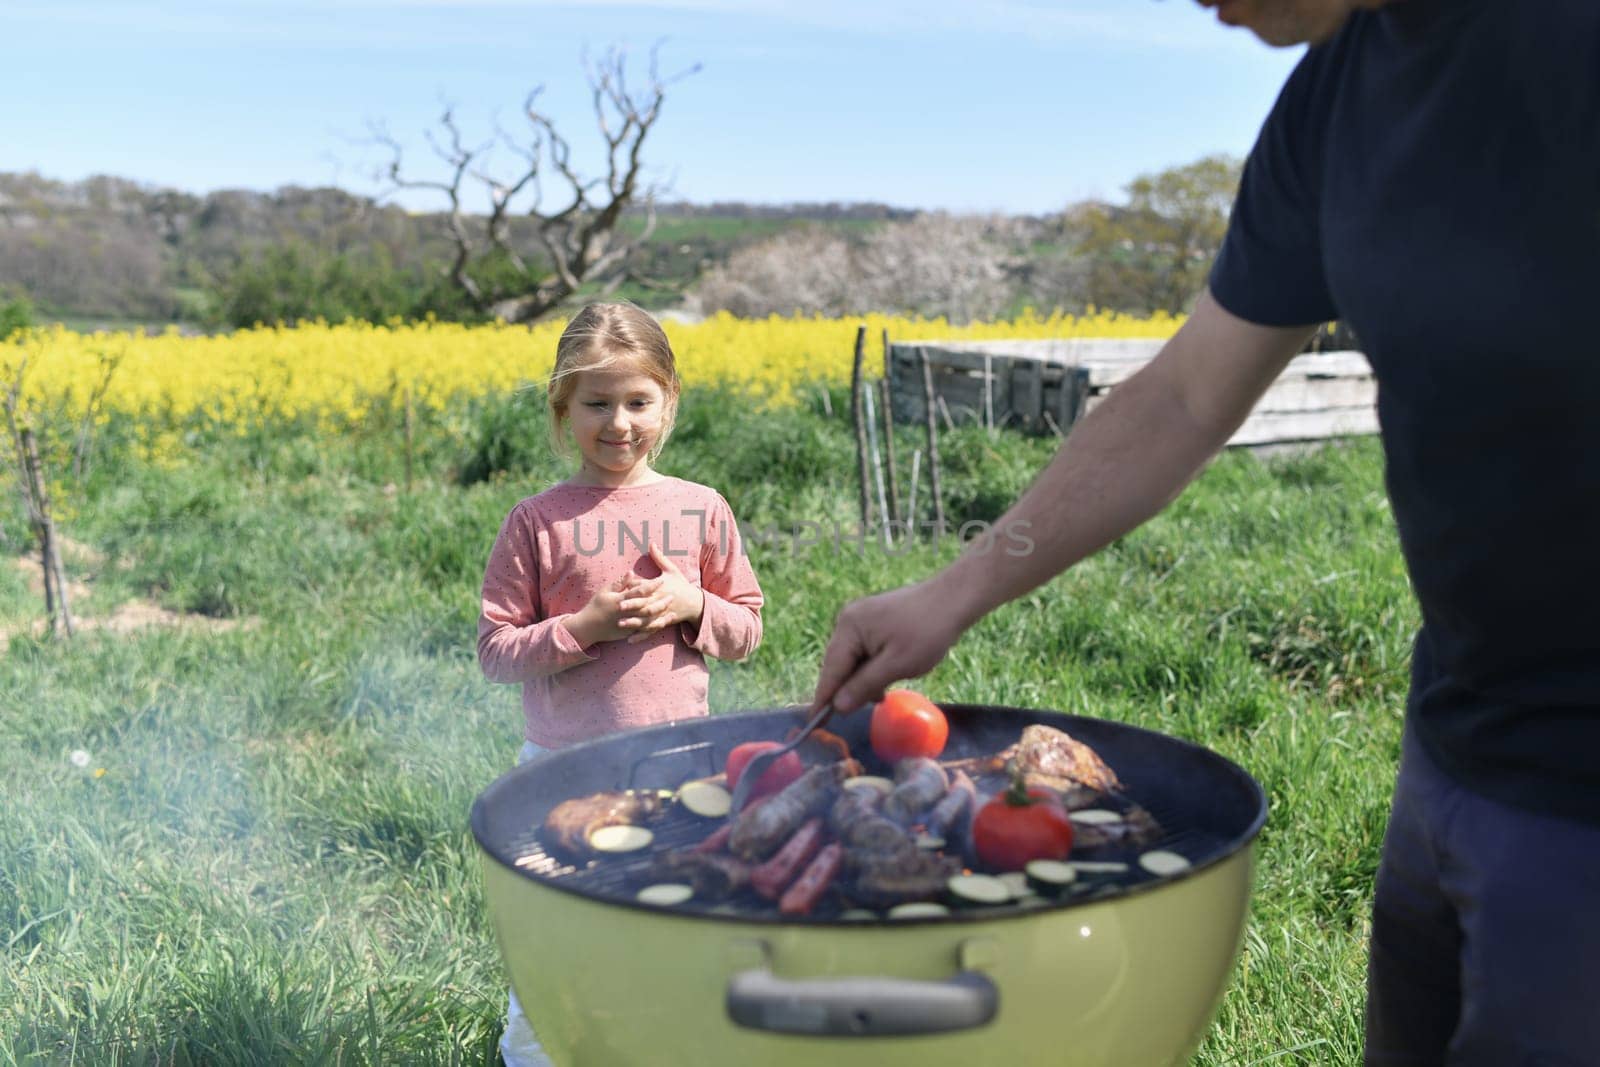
<point x="919" y="784"/>
<point x="1138" y="827"/>
<point x="806" y="890"/>
<point x="569" y="824"/>
<point x="758" y="832"/>
<point x="884" y="880"/>
<point x="815" y="839"/>
<point x="855" y="820"/>
<point x="717" y="840"/>
<point x="1052" y="758"/>
<point x="857" y="802"/>
<point x="978" y="766"/>
<point x="945" y="820"/>
<point x="771" y="878"/>
<point x="714" y="875"/>
<point x="882" y="864"/>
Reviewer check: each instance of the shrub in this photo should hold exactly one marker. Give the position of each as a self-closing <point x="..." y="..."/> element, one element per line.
<point x="16" y="314"/>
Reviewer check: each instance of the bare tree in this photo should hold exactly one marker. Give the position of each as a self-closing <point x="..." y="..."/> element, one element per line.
<point x="575" y="232"/>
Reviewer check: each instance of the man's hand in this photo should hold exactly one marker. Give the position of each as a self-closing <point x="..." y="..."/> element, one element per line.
<point x="883" y="639"/>
<point x="653" y="604"/>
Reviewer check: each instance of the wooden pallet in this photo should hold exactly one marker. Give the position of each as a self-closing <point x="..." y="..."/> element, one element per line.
<point x="1046" y="386"/>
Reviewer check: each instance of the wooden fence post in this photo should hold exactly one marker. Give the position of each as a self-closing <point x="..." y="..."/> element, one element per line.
<point x="933" y="442"/>
<point x="858" y="417"/>
<point x="408" y="438"/>
<point x="988" y="393"/>
<point x="888" y="433"/>
<point x="877" y="463"/>
<point x="56" y="606"/>
<point x="911" y="497"/>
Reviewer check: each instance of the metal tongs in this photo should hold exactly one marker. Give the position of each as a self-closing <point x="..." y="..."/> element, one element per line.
<point x="757" y="767"/>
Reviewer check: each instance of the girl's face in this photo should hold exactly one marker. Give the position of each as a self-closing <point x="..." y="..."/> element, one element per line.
<point x="617" y="415"/>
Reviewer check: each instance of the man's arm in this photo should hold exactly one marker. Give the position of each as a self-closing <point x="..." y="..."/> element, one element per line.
<point x="1122" y="464"/>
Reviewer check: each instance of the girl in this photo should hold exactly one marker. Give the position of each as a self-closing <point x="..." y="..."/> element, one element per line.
<point x="604" y="594"/>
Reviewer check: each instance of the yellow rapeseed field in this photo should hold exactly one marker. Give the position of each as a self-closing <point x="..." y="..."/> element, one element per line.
<point x="336" y="373"/>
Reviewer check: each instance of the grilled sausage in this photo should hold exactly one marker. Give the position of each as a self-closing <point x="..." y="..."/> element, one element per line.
<point x="946" y="815"/>
<point x="773" y="877"/>
<point x="715" y="841"/>
<point x="852" y="807"/>
<point x="803" y="895"/>
<point x="919" y="783"/>
<point x="757" y="832"/>
<point x="855" y="820"/>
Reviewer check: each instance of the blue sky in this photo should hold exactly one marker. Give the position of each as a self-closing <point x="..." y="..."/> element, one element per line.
<point x="1014" y="105"/>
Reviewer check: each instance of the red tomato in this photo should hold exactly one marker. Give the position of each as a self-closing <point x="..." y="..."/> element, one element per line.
<point x="1017" y="827"/>
<point x="906" y="723"/>
<point x="785" y="770"/>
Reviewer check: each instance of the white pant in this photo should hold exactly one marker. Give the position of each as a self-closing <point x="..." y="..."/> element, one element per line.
<point x="519" y="1045"/>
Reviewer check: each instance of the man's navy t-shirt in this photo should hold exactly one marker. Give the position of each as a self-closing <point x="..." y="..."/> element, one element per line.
<point x="1432" y="176"/>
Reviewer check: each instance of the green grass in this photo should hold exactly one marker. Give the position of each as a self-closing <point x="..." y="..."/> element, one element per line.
<point x="275" y="866"/>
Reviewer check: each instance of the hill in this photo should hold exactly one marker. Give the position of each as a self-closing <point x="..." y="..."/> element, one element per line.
<point x="107" y="250"/>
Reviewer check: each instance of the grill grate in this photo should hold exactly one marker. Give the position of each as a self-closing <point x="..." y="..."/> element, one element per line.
<point x="619" y="878"/>
<point x="614" y="875"/>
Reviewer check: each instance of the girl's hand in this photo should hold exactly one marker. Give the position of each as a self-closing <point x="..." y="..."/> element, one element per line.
<point x="658" y="603"/>
<point x="603" y="617"/>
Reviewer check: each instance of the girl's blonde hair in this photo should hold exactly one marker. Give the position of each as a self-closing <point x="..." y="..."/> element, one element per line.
<point x="603" y="336"/>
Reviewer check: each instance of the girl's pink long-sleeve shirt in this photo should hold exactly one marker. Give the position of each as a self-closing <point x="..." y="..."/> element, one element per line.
<point x="556" y="550"/>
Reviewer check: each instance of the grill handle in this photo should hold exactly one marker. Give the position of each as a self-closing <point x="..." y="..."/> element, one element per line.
<point x="860" y="1007"/>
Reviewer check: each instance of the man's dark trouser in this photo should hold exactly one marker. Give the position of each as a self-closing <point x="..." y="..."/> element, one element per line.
<point x="1485" y="931"/>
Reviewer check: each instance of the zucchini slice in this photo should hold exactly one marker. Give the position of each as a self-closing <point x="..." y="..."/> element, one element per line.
<point x="1050" y="876"/>
<point x="1018" y="884"/>
<point x="869" y="781"/>
<point x="620" y="839"/>
<point x="858" y="915"/>
<point x="705" y="799"/>
<point x="1161" y="862"/>
<point x="1095" y="867"/>
<point x="1094" y="817"/>
<point x="918" y="909"/>
<point x="977" y="890"/>
<point x="664" y="894"/>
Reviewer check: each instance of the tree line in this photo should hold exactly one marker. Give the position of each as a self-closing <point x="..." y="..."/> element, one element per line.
<point x="524" y="240"/>
<point x="114" y="249"/>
